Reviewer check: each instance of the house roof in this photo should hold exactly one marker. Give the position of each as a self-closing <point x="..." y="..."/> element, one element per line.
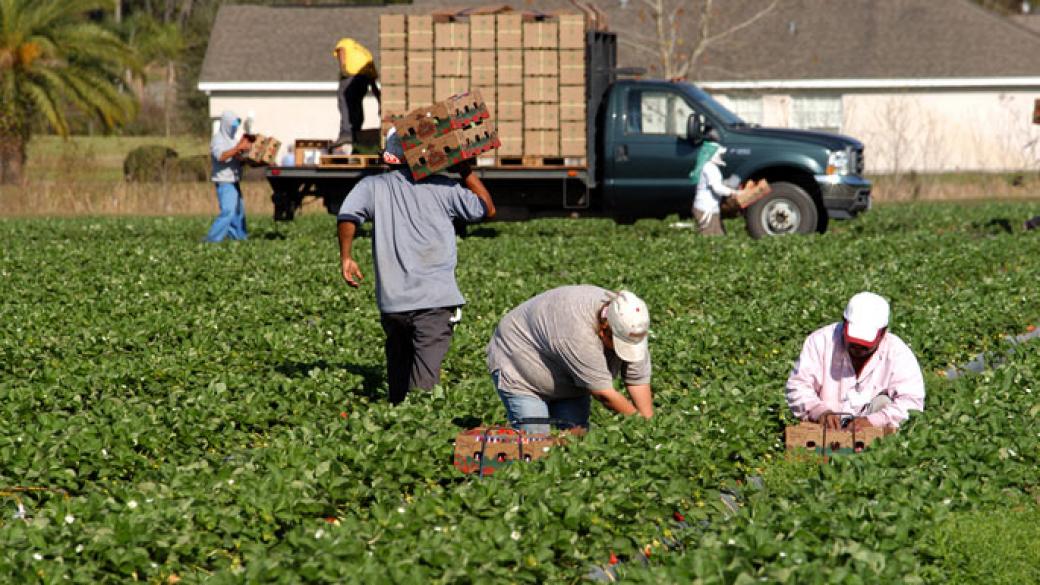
<point x="797" y="40"/>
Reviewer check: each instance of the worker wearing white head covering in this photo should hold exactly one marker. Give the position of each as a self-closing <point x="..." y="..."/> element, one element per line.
<point x="710" y="189"/>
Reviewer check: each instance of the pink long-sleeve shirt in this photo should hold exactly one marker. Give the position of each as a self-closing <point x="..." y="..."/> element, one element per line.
<point x="824" y="380"/>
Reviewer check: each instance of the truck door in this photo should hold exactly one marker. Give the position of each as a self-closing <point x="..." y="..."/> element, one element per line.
<point x="651" y="158"/>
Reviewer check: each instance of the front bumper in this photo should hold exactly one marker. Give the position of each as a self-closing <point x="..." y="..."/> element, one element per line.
<point x="844" y="196"/>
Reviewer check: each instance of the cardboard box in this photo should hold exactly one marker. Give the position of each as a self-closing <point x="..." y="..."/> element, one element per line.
<point x="541" y="142"/>
<point x="1036" y="111"/>
<point x="308" y="151"/>
<point x="451" y="63"/>
<point x="490" y="94"/>
<point x="752" y="192"/>
<point x="392" y="33"/>
<point x="392" y="67"/>
<point x="541" y="62"/>
<point x="420" y="68"/>
<point x="451" y="35"/>
<point x="509" y="31"/>
<point x="482" y="70"/>
<point x="445" y="133"/>
<point x="572" y="65"/>
<point x="445" y="87"/>
<point x="510" y="103"/>
<point x="485" y="450"/>
<point x="420" y="32"/>
<point x="482" y="31"/>
<point x="264" y="150"/>
<point x="541" y="117"/>
<point x="572" y="139"/>
<point x="815" y="438"/>
<point x="511" y="135"/>
<point x="572" y="31"/>
<point x="419" y="97"/>
<point x="542" y="89"/>
<point x="510" y="66"/>
<point x="542" y="34"/>
<point x="572" y="103"/>
<point x="394" y="100"/>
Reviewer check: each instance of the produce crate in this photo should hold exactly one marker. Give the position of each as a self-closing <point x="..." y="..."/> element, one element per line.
<point x="451" y="35"/>
<point x="485" y="450"/>
<point x="263" y="151"/>
<point x="308" y="151"/>
<point x="752" y="192"/>
<point x="817" y="439"/>
<point x="446" y="133"/>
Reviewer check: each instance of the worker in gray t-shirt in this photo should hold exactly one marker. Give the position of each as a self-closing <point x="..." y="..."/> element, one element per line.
<point x="413" y="248"/>
<point x="550" y="354"/>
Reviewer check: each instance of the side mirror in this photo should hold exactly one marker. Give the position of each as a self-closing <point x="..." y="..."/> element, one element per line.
<point x="695" y="128"/>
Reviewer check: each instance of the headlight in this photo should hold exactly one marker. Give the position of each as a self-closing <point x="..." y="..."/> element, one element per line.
<point x="838" y="163"/>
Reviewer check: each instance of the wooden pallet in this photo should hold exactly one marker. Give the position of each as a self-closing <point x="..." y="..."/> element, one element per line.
<point x="541" y="161"/>
<point x="350" y="161"/>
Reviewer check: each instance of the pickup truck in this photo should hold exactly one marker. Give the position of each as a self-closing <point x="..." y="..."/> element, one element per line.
<point x="643" y="137"/>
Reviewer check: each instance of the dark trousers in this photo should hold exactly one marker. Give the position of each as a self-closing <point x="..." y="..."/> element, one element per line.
<point x="416" y="343"/>
<point x="350" y="97"/>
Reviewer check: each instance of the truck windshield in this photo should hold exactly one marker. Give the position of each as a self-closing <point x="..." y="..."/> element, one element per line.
<point x="714" y="108"/>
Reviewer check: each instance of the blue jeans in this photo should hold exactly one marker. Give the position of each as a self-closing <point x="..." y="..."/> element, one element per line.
<point x="232" y="219"/>
<point x="563" y="414"/>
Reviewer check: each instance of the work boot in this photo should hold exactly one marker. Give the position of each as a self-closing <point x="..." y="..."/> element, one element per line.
<point x="342" y="141"/>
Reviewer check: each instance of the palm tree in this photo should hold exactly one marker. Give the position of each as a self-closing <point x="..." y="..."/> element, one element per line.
<point x="53" y="58"/>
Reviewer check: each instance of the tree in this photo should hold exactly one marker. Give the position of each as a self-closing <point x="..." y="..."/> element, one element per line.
<point x="670" y="21"/>
<point x="53" y="58"/>
<point x="157" y="44"/>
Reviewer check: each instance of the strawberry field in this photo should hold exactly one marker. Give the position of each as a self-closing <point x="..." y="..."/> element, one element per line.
<point x="173" y="411"/>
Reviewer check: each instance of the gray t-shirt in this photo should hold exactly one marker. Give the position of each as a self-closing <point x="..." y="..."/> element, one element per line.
<point x="548" y="347"/>
<point x="413" y="240"/>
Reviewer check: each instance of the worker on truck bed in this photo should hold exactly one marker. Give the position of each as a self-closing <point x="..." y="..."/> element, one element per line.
<point x="552" y="353"/>
<point x="413" y="249"/>
<point x="855" y="373"/>
<point x="357" y="73"/>
<point x="225" y="158"/>
<point x="711" y="190"/>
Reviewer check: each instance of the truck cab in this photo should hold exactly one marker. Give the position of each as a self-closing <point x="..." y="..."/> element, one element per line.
<point x="651" y="134"/>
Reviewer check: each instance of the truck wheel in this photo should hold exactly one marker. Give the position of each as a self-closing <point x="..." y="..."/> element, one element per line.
<point x="787" y="210"/>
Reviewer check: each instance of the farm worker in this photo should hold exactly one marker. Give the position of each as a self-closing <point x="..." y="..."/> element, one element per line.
<point x="707" y="175"/>
<point x="357" y="73"/>
<point x="552" y="353"/>
<point x="856" y="366"/>
<point x="225" y="154"/>
<point x="413" y="249"/>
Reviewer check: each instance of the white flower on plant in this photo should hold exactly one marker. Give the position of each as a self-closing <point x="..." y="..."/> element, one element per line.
<point x="132" y="504"/>
<point x="319" y="533"/>
<point x="400" y="510"/>
<point x="947" y="501"/>
<point x="38" y="556"/>
<point x="79" y="548"/>
<point x="731" y="542"/>
<point x="69" y="518"/>
<point x="515" y="535"/>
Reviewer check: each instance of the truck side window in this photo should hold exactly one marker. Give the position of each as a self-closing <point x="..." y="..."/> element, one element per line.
<point x="656" y="112"/>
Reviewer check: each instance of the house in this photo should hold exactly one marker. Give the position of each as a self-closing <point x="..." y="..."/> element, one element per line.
<point x="927" y="85"/>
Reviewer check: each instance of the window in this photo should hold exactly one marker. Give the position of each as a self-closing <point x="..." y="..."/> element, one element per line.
<point x="657" y="112"/>
<point x="749" y="108"/>
<point x="816" y="113"/>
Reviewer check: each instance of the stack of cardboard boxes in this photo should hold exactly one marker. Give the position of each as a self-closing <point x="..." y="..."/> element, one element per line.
<point x="530" y="71"/>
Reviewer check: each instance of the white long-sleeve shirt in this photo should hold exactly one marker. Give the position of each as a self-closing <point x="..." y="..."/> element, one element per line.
<point x="710" y="189"/>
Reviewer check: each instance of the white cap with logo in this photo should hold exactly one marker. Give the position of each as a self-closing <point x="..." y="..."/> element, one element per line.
<point x="629" y="321"/>
<point x="865" y="316"/>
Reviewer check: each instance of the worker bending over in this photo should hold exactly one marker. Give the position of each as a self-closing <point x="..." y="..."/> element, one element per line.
<point x="855" y="373"/>
<point x="550" y="354"/>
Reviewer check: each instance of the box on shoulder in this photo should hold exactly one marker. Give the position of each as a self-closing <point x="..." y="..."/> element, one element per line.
<point x="445" y="133"/>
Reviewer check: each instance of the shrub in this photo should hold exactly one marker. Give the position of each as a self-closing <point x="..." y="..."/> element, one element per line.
<point x="150" y="163"/>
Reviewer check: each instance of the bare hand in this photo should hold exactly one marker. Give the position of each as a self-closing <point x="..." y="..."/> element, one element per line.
<point x="351" y="273"/>
<point x="860" y="423"/>
<point x="831" y="421"/>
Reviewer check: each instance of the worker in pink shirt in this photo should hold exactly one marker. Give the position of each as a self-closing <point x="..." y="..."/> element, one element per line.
<point x="854" y="373"/>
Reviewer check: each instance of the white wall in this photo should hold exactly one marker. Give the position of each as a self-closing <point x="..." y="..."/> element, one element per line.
<point x="290" y="115"/>
<point x="930" y="131"/>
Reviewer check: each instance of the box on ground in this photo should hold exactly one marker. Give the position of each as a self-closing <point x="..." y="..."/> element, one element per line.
<point x="816" y="438"/>
<point x="485" y="450"/>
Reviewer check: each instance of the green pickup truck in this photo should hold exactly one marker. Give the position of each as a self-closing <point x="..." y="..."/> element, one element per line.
<point x="643" y="137"/>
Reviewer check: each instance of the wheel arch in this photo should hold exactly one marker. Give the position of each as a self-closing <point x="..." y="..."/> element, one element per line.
<point x="800" y="177"/>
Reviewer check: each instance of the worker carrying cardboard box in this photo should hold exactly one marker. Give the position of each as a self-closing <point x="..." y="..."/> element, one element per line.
<point x="357" y="72"/>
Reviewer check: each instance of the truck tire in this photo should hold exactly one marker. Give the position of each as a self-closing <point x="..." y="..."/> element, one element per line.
<point x="787" y="210"/>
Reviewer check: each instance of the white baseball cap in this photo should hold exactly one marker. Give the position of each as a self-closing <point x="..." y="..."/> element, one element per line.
<point x="629" y="321"/>
<point x="866" y="316"/>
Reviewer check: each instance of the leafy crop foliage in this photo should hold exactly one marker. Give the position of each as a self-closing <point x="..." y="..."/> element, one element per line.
<point x="216" y="412"/>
